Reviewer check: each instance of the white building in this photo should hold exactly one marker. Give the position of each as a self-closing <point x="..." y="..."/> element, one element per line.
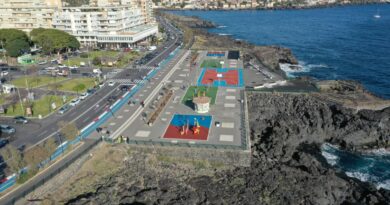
<point x="113" y="24"/>
<point x="27" y="14"/>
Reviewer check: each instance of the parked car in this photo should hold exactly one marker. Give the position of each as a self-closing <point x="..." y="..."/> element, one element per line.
<point x="3" y="142"/>
<point x="83" y="96"/>
<point x="86" y="74"/>
<point x="21" y="119"/>
<point x="42" y="62"/>
<point x="62" y="66"/>
<point x="7" y="129"/>
<point x="4" y="73"/>
<point x="111" y="83"/>
<point x="74" y="102"/>
<point x="63" y="109"/>
<point x="73" y="67"/>
<point x="91" y="91"/>
<point x="101" y="85"/>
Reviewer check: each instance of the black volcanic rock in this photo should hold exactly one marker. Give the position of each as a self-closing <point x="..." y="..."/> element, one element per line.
<point x="287" y="167"/>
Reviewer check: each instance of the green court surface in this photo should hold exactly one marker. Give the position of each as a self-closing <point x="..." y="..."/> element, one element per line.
<point x="211" y="64"/>
<point x="193" y="91"/>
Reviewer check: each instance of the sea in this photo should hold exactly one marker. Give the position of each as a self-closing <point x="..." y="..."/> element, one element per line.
<point x="344" y="42"/>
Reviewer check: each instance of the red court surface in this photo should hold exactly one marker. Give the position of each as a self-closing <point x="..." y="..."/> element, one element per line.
<point x="183" y="127"/>
<point x="211" y="76"/>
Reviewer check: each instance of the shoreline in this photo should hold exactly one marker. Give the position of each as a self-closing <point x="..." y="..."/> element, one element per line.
<point x="292" y="8"/>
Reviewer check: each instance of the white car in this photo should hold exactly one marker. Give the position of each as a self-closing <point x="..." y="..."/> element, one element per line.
<point x="111" y="83"/>
<point x="73" y="67"/>
<point x="42" y="62"/>
<point x="101" y="85"/>
<point x="83" y="96"/>
<point x="74" y="102"/>
<point x="62" y="66"/>
<point x="4" y="73"/>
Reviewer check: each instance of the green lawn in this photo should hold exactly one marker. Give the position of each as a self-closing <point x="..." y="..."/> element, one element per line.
<point x="39" y="107"/>
<point x="70" y="84"/>
<point x="211" y="64"/>
<point x="193" y="90"/>
<point x="35" y="81"/>
<point x="126" y="57"/>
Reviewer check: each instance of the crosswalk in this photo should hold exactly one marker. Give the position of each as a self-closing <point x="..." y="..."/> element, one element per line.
<point x="128" y="81"/>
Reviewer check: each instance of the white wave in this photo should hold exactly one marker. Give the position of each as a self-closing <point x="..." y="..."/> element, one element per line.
<point x="380" y="152"/>
<point x="271" y="85"/>
<point x="221" y="26"/>
<point x="384" y="185"/>
<point x="364" y="177"/>
<point x="224" y="34"/>
<point x="326" y="151"/>
<point x="302" y="67"/>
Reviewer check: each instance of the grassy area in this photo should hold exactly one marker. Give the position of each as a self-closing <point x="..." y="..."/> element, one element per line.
<point x="35" y="81"/>
<point x="93" y="171"/>
<point x="71" y="84"/>
<point x="124" y="57"/>
<point x="193" y="91"/>
<point x="211" y="64"/>
<point x="39" y="107"/>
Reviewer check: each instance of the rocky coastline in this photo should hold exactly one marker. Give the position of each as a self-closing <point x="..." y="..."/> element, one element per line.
<point x="287" y="132"/>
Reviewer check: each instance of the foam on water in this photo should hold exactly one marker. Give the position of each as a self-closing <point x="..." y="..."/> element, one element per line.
<point x="224" y="34"/>
<point x="329" y="156"/>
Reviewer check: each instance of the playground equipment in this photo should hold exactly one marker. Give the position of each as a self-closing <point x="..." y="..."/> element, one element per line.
<point x="196" y="128"/>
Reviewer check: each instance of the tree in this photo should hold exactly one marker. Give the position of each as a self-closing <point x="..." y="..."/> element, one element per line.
<point x="14" y="41"/>
<point x="17" y="47"/>
<point x="79" y="87"/>
<point x="50" y="146"/>
<point x="96" y="60"/>
<point x="68" y="129"/>
<point x="13" y="158"/>
<point x="53" y="40"/>
<point x="34" y="157"/>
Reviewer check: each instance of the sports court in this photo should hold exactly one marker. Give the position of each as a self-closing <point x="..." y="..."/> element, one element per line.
<point x="221" y="77"/>
<point x="215" y="54"/>
<point x="189" y="127"/>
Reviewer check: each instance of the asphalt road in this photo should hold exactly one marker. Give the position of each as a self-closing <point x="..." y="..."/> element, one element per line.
<point x="38" y="130"/>
<point x="30" y="185"/>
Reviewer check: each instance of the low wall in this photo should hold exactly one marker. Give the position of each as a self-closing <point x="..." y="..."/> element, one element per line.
<point x="224" y="156"/>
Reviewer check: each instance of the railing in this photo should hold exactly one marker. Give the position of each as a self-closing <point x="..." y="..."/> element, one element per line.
<point x="47" y="175"/>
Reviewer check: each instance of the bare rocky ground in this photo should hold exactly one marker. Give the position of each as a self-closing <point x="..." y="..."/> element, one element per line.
<point x="287" y="167"/>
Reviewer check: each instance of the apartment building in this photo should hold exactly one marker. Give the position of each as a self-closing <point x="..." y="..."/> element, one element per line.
<point x="27" y="14"/>
<point x="107" y="23"/>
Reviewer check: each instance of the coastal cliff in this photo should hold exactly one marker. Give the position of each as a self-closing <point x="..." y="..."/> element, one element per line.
<point x="287" y="131"/>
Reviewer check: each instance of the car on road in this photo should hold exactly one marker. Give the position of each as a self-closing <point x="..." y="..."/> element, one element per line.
<point x="62" y="66"/>
<point x="63" y="109"/>
<point x="74" y="102"/>
<point x="83" y="96"/>
<point x="101" y="85"/>
<point x="86" y="75"/>
<point x="125" y="88"/>
<point x="7" y="129"/>
<point x="73" y="67"/>
<point x="111" y="99"/>
<point x="20" y="119"/>
<point x="111" y="83"/>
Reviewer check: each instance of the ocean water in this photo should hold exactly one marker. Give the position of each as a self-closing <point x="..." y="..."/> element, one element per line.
<point x="330" y="43"/>
<point x="371" y="167"/>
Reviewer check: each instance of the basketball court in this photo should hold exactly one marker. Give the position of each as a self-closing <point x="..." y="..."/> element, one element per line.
<point x="221" y="77"/>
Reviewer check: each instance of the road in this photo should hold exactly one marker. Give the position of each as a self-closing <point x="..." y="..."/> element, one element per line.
<point x="29" y="186"/>
<point x="39" y="130"/>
